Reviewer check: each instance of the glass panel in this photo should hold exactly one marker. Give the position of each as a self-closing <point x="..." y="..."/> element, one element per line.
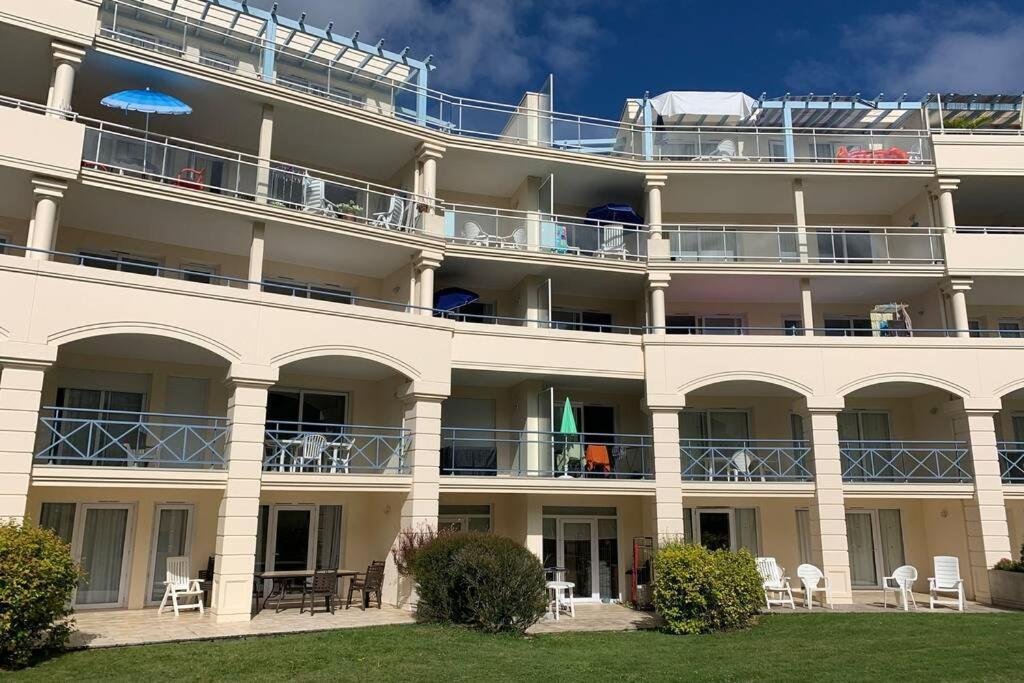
<point x="449" y="524"/>
<point x="727" y="425"/>
<point x="59" y="518"/>
<point x="172" y="527"/>
<point x="803" y="533"/>
<point x="328" y="539"/>
<point x="103" y="537"/>
<point x="1018" y="428"/>
<point x="608" y="559"/>
<point x="291" y="550"/>
<point x="691" y="425"/>
<point x="714" y="530"/>
<point x="858" y="246"/>
<point x="282" y="407"/>
<point x="746" y="530"/>
<point x="481" y="524"/>
<point x="796" y="428"/>
<point x="849" y="426"/>
<point x="891" y="532"/>
<point x="322" y="409"/>
<point x="578" y="550"/>
<point x="550" y="546"/>
<point x="261" y="538"/>
<point x="688" y="525"/>
<point x="862" y="550"/>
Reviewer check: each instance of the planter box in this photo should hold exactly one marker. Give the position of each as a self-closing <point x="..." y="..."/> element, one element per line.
<point x="1007" y="588"/>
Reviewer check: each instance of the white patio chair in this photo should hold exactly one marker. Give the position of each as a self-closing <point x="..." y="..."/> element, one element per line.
<point x="814" y="581"/>
<point x="314" y="196"/>
<point x="775" y="582"/>
<point x="739" y="465"/>
<point x="561" y="593"/>
<point x="517" y="240"/>
<point x="392" y="217"/>
<point x="311" y="452"/>
<point x="901" y="583"/>
<point x="613" y="241"/>
<point x="946" y="580"/>
<point x="179" y="585"/>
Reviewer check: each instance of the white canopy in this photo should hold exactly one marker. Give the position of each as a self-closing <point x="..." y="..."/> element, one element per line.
<point x="698" y="106"/>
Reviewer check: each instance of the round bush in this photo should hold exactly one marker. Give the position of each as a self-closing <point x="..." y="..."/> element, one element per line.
<point x="480" y="580"/>
<point x="37" y="578"/>
<point x="697" y="590"/>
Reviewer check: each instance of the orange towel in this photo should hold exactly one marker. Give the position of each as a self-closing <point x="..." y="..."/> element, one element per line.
<point x="598" y="458"/>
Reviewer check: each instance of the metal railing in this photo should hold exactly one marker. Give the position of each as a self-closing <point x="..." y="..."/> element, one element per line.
<point x="522" y="453"/>
<point x="789" y="244"/>
<point x="905" y="461"/>
<point x="1011" y="461"/>
<point x="75" y="436"/>
<point x="335" y="448"/>
<point x="549" y="233"/>
<point x="988" y="230"/>
<point x="699" y="329"/>
<point x="750" y="460"/>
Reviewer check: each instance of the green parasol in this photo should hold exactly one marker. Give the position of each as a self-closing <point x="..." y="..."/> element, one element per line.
<point x="572" y="451"/>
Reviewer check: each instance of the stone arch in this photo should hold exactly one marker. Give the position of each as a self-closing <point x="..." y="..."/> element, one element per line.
<point x="215" y="347"/>
<point x="399" y="365"/>
<point x="745" y="376"/>
<point x="902" y="377"/>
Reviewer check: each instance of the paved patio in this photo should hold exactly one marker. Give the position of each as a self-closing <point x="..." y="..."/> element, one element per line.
<point x="871" y="601"/>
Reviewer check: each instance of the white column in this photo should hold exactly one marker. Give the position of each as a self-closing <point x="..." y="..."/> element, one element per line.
<point x="426" y="264"/>
<point x="958" y="288"/>
<point x="427" y="156"/>
<point x="658" y="283"/>
<point x="257" y="245"/>
<point x="947" y="217"/>
<point x="800" y="218"/>
<point x="264" y="152"/>
<point x="828" y="511"/>
<point x="235" y="554"/>
<point x="654" y="184"/>
<point x="66" y="60"/>
<point x="668" y="484"/>
<point x="21" y="386"/>
<point x="42" y="235"/>
<point x="806" y="307"/>
<point x="988" y="535"/>
<point x="535" y="525"/>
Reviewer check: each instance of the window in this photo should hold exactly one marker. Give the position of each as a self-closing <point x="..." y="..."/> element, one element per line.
<point x="4" y="240"/>
<point x="1009" y="327"/>
<point x="702" y="324"/>
<point x="793" y="326"/>
<point x="306" y="290"/>
<point x="587" y="321"/>
<point x="316" y="411"/>
<point x="476" y="312"/>
<point x="119" y="261"/>
<point x="825" y="151"/>
<point x="847" y="327"/>
<point x="777" y="150"/>
<point x="974" y="326"/>
<point x="198" y="272"/>
<point x="844" y="246"/>
<point x="134" y="36"/>
<point x="721" y="425"/>
<point x="77" y="444"/>
<point x="796" y="429"/>
<point x="59" y="518"/>
<point x="464" y="517"/>
<point x="217" y="60"/>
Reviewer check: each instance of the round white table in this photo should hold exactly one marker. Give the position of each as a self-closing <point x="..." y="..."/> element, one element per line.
<point x="562" y="596"/>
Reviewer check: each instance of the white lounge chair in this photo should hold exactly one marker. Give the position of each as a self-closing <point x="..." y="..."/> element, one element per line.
<point x="814" y="581"/>
<point x="179" y="585"/>
<point x="314" y="196"/>
<point x="901" y="583"/>
<point x="392" y="217"/>
<point x="946" y="580"/>
<point x="613" y="241"/>
<point x="775" y="583"/>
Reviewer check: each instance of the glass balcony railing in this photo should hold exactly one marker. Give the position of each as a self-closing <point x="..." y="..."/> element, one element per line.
<point x="520" y="453"/>
<point x="335" y="449"/>
<point x="746" y="460"/>
<point x="114" y="438"/>
<point x="905" y="461"/>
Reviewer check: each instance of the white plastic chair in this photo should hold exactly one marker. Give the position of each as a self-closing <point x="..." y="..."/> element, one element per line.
<point x="946" y="580"/>
<point x="474" y="234"/>
<point x="179" y="585"/>
<point x="775" y="582"/>
<point x="562" y="598"/>
<point x="392" y="217"/>
<point x="312" y="447"/>
<point x="739" y="466"/>
<point x="814" y="581"/>
<point x="517" y="240"/>
<point x="901" y="583"/>
<point x="613" y="240"/>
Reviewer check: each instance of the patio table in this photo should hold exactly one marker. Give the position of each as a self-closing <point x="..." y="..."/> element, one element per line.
<point x="281" y="579"/>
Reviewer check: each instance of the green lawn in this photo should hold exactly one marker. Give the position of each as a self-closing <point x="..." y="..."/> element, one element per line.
<point x="811" y="647"/>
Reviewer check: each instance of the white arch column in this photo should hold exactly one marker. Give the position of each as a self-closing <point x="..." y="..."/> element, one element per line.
<point x="946" y="188"/>
<point x="66" y="60"/>
<point x="425" y="265"/>
<point x="47" y="194"/>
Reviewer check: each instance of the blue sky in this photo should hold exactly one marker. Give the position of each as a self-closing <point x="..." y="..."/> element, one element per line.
<point x="603" y="51"/>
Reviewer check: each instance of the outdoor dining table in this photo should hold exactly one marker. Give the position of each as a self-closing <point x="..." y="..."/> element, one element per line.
<point x="283" y="578"/>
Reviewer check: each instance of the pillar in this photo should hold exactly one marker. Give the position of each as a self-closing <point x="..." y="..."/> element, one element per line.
<point x="800" y="218"/>
<point x="66" y="60"/>
<point x="829" y="548"/>
<point x="535" y="525"/>
<point x="658" y="283"/>
<point x="47" y="194"/>
<point x="957" y="289"/>
<point x="21" y="387"/>
<point x="257" y="245"/>
<point x="988" y="535"/>
<point x="426" y="263"/>
<point x="947" y="217"/>
<point x="668" y="492"/>
<point x="427" y="157"/>
<point x="806" y="307"/>
<point x="654" y="184"/>
<point x="237" y="520"/>
<point x="264" y="153"/>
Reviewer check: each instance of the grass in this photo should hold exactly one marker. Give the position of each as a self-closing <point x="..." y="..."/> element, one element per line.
<point x="803" y="647"/>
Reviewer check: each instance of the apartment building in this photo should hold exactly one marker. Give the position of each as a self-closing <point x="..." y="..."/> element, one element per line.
<point x="332" y="303"/>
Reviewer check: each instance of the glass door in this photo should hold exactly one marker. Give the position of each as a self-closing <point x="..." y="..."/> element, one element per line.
<point x="860" y="534"/>
<point x="714" y="529"/>
<point x="578" y="556"/>
<point x="292" y="531"/>
<point x="170" y="539"/>
<point x="102" y="551"/>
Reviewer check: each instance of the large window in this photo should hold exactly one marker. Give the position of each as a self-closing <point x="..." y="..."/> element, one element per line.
<point x="307" y="290"/>
<point x="586" y="321"/>
<point x="847" y="326"/>
<point x="118" y="260"/>
<point x="79" y="443"/>
<point x="704" y="324"/>
<point x="725" y="425"/>
<point x="464" y="517"/>
<point x="314" y="410"/>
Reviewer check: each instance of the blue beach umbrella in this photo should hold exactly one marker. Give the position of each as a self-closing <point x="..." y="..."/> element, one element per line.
<point x="451" y="298"/>
<point x="615" y="213"/>
<point x="146" y="102"/>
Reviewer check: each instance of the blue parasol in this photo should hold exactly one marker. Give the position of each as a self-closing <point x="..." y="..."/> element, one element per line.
<point x="615" y="213"/>
<point x="451" y="298"/>
<point x="146" y="102"/>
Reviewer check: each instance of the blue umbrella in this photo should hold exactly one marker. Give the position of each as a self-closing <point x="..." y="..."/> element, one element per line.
<point x="450" y="298"/>
<point x="147" y="102"/>
<point x="615" y="213"/>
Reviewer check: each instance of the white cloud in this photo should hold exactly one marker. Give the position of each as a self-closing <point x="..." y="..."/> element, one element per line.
<point x="936" y="46"/>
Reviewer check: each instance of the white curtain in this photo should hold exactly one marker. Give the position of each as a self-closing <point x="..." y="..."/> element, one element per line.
<point x="746" y="530"/>
<point x="171" y="541"/>
<point x="328" y="539"/>
<point x="862" y="550"/>
<point x="890" y="528"/>
<point x="103" y="538"/>
<point x="59" y="518"/>
<point x="803" y="533"/>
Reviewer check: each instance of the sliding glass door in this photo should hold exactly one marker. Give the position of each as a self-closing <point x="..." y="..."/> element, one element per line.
<point x="102" y="549"/>
<point x="171" y="534"/>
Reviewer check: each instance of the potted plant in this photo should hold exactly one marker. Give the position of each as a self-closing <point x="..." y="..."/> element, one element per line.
<point x="1007" y="582"/>
<point x="350" y="208"/>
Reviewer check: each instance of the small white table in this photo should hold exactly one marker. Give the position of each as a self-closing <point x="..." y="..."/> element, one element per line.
<point x="562" y="596"/>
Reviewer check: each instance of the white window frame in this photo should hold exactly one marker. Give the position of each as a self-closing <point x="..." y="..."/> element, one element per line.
<point x="152" y="574"/>
<point x="81" y="512"/>
<point x="302" y="392"/>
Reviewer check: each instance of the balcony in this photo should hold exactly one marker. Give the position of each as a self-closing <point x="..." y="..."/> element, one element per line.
<point x="927" y="462"/>
<point x="1011" y="461"/>
<point x="746" y="460"/>
<point x="781" y="244"/>
<point x="553" y="455"/>
<point x="112" y="438"/>
<point x="335" y="449"/>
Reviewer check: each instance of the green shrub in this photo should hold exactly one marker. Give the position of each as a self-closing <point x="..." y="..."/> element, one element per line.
<point x="697" y="590"/>
<point x="480" y="580"/>
<point x="37" y="578"/>
<point x="1008" y="565"/>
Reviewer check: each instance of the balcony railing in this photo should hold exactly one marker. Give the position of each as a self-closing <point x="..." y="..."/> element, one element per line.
<point x="520" y="453"/>
<point x="905" y="461"/>
<point x="335" y="448"/>
<point x="553" y="234"/>
<point x="747" y="460"/>
<point x="1011" y="461"/>
<point x="114" y="438"/>
<point x="821" y="245"/>
<point x="528" y="122"/>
